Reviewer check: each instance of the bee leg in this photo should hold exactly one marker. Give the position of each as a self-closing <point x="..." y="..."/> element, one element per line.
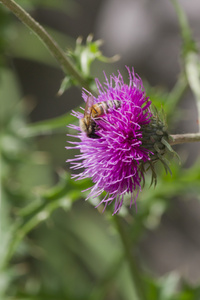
<point x="95" y="128"/>
<point x="93" y="135"/>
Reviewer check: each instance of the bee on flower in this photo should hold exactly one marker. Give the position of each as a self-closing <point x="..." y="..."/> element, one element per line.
<point x="119" y="138"/>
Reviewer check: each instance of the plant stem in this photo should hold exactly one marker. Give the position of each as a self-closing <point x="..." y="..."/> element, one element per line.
<point x="134" y="268"/>
<point x="48" y="41"/>
<point x="184" y="138"/>
<point x="177" y="92"/>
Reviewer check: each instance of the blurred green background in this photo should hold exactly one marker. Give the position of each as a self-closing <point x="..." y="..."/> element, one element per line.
<point x="53" y="244"/>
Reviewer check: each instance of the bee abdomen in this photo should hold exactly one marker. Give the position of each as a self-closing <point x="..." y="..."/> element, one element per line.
<point x="99" y="109"/>
<point x="113" y="104"/>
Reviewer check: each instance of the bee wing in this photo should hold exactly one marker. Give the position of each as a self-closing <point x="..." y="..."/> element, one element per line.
<point x="89" y="103"/>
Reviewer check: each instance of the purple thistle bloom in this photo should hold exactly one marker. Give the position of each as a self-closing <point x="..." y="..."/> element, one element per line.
<point x="115" y="158"/>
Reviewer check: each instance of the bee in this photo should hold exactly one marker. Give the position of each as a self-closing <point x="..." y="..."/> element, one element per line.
<point x="95" y="111"/>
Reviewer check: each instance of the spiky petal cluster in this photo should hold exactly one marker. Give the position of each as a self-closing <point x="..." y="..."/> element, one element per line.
<point x="113" y="161"/>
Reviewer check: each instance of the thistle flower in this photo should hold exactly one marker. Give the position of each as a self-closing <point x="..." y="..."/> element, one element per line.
<point x="127" y="140"/>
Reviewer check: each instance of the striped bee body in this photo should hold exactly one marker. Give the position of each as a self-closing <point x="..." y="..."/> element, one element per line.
<point x="99" y="109"/>
<point x="95" y="111"/>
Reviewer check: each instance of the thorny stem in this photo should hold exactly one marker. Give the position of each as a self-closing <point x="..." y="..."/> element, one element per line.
<point x="184" y="138"/>
<point x="48" y="41"/>
<point x="133" y="265"/>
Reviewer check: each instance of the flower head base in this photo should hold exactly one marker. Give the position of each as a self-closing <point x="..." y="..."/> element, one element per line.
<point x="115" y="157"/>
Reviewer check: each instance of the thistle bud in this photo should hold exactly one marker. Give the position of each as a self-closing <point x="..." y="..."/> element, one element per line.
<point x="155" y="138"/>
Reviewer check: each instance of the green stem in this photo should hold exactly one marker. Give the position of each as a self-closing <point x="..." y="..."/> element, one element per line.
<point x="134" y="268"/>
<point x="48" y="41"/>
<point x="177" y="92"/>
<point x="184" y="138"/>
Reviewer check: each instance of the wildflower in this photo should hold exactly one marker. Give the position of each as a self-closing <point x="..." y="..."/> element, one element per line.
<point x="126" y="140"/>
